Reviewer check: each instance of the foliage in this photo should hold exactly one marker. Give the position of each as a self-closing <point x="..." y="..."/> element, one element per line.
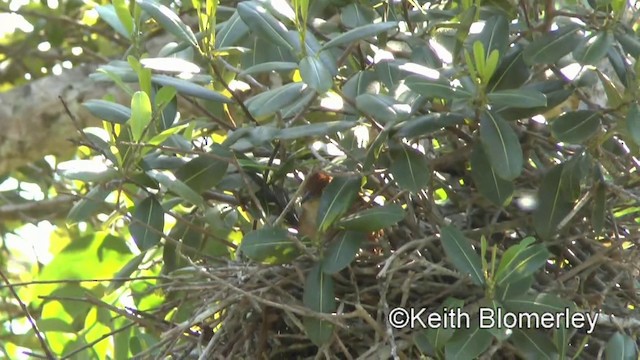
<point x="439" y="123"/>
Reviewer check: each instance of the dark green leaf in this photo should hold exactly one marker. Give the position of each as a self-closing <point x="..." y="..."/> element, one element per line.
<point x="169" y="21"/>
<point x="495" y="35"/>
<point x="439" y="336"/>
<point x="147" y="223"/>
<point x="598" y="209"/>
<point x="633" y="122"/>
<point x="524" y="264"/>
<point x="188" y="88"/>
<point x="269" y="67"/>
<point x="416" y="127"/>
<point x="621" y="347"/>
<point x="629" y="42"/>
<point x="512" y="71"/>
<point x="90" y="204"/>
<point x="336" y="199"/>
<point x="468" y="343"/>
<point x="517" y="98"/>
<point x="311" y="130"/>
<point x="360" y="83"/>
<point x="490" y="185"/>
<point x="205" y="171"/>
<point x="233" y="30"/>
<point x="514" y="289"/>
<point x="387" y="74"/>
<point x="318" y="291"/>
<point x="360" y="33"/>
<point x="383" y="108"/>
<point x="109" y="15"/>
<point x="314" y="74"/>
<point x="501" y="145"/>
<point x="431" y="88"/>
<point x="534" y="344"/>
<point x="539" y="304"/>
<point x="550" y="47"/>
<point x="269" y="102"/>
<point x="592" y="50"/>
<point x="409" y="167"/>
<point x="269" y="245"/>
<point x="576" y="126"/>
<point x="373" y="219"/>
<point x="342" y="251"/>
<point x="552" y="205"/>
<point x="263" y="24"/>
<point x="319" y="331"/>
<point x="572" y="177"/>
<point x="355" y="15"/>
<point x="176" y="186"/>
<point x="109" y="111"/>
<point x="460" y="252"/>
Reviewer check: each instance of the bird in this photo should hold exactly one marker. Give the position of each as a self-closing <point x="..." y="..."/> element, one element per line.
<point x="310" y="204"/>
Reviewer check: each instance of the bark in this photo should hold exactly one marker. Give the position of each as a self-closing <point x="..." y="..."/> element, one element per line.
<point x="34" y="121"/>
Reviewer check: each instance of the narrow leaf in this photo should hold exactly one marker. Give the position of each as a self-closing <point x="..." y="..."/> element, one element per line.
<point x="501" y="145"/>
<point x="314" y="74"/>
<point x="147" y="223"/>
<point x="140" y="114"/>
<point x="360" y="33"/>
<point x="591" y="51"/>
<point x="598" y="209"/>
<point x="460" y="252"/>
<point x="633" y="122"/>
<point x="552" y="205"/>
<point x="517" y="98"/>
<point x="621" y="346"/>
<point x="382" y="107"/>
<point x="269" y="245"/>
<point x="550" y="47"/>
<point x="490" y="185"/>
<point x="374" y="219"/>
<point x="205" y="171"/>
<point x="176" y="186"/>
<point x="169" y="21"/>
<point x="576" y="127"/>
<point x="342" y="251"/>
<point x="269" y="102"/>
<point x="468" y="343"/>
<point x="336" y="199"/>
<point x="264" y="25"/>
<point x="318" y="291"/>
<point x="233" y="30"/>
<point x="409" y="168"/>
<point x="431" y="88"/>
<point x="188" y="88"/>
<point x="109" y="111"/>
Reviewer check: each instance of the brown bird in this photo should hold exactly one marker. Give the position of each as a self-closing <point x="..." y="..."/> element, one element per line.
<point x="310" y="204"/>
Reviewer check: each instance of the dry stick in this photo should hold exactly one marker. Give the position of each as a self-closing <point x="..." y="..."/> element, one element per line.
<point x="103" y="337"/>
<point x="77" y="281"/>
<point x="294" y="309"/>
<point x="235" y="96"/>
<point x="43" y="342"/>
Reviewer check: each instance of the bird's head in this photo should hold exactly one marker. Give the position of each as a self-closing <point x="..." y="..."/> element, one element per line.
<point x="310" y="203"/>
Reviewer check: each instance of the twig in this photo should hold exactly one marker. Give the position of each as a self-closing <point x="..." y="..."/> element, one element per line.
<point x="43" y="342"/>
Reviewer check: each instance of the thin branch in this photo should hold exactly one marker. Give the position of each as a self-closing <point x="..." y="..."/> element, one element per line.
<point x="43" y="342"/>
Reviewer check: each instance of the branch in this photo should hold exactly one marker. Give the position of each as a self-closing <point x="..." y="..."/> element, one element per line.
<point x="43" y="342"/>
